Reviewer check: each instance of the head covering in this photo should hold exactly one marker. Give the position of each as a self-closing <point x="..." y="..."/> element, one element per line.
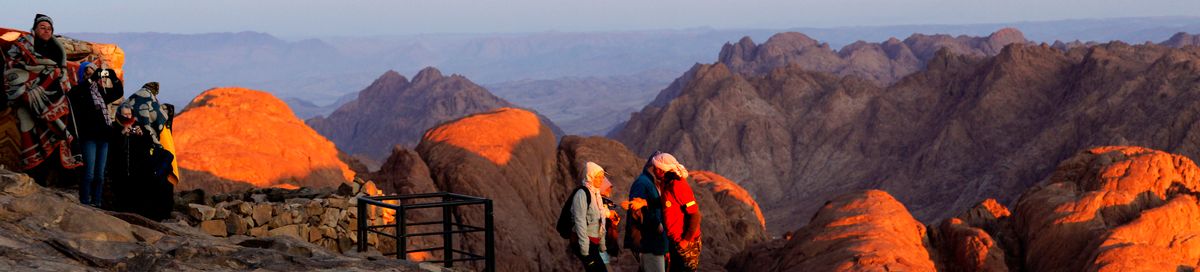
<point x="82" y="75"/>
<point x="668" y="163"/>
<point x="152" y="86"/>
<point x="41" y="18"/>
<point x="593" y="171"/>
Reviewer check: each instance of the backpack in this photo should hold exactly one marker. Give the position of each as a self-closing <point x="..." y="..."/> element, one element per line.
<point x="566" y="219"/>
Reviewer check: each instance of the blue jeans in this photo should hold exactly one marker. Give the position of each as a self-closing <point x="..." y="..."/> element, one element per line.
<point x="95" y="155"/>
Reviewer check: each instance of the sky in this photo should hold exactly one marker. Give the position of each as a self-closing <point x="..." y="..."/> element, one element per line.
<point x="300" y="18"/>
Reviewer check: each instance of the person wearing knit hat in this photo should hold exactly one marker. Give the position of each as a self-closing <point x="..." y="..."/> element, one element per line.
<point x="38" y="80"/>
<point x="589" y="215"/>
<point x="681" y="214"/>
<point x="44" y="42"/>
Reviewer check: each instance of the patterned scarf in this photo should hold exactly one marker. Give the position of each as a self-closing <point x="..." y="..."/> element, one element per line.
<point x="98" y="101"/>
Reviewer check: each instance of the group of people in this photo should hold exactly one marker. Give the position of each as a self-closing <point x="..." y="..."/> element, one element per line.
<point x="663" y="228"/>
<point x="79" y="120"/>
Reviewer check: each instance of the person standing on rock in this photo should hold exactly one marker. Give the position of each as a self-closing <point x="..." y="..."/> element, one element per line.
<point x="95" y="90"/>
<point x="589" y="214"/>
<point x="36" y="81"/>
<point x="681" y="215"/>
<point x="644" y="234"/>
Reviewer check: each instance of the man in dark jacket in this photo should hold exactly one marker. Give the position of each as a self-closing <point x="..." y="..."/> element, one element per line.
<point x="644" y="233"/>
<point x="90" y="98"/>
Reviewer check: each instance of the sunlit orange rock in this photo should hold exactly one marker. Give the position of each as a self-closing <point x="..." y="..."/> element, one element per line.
<point x="506" y="155"/>
<point x="235" y="138"/>
<point x="731" y="219"/>
<point x="1112" y="209"/>
<point x="979" y="239"/>
<point x="862" y="231"/>
<point x="493" y="135"/>
<point x="968" y="248"/>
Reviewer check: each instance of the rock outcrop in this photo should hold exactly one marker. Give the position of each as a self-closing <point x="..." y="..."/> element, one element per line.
<point x="1110" y="208"/>
<point x="394" y="111"/>
<point x="234" y="139"/>
<point x="883" y="63"/>
<point x="865" y="231"/>
<point x="507" y="155"/>
<point x="1113" y="209"/>
<point x="940" y="140"/>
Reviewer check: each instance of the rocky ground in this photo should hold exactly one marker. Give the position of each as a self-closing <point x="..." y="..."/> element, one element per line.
<point x="47" y="230"/>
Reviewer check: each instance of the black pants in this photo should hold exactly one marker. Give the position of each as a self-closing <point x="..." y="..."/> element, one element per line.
<point x="592" y="262"/>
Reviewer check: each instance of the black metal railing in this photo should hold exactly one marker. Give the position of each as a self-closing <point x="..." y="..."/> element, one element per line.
<point x="448" y="202"/>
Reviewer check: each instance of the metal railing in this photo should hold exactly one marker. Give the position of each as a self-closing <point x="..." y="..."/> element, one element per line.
<point x="448" y="203"/>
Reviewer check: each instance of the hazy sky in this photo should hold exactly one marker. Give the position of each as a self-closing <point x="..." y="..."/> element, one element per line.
<point x="295" y="18"/>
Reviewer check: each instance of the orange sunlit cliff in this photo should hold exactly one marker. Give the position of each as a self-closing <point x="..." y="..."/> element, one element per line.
<point x="235" y="138"/>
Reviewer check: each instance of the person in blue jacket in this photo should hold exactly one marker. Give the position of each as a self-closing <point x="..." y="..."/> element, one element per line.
<point x="644" y="233"/>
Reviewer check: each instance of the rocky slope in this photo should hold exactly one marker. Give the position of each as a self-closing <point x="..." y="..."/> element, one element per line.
<point x="940" y="140"/>
<point x="1113" y="208"/>
<point x="882" y="63"/>
<point x="394" y="111"/>
<point x="234" y="139"/>
<point x="47" y="230"/>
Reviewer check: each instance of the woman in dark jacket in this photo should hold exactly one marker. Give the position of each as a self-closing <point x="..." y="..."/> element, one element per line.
<point x="90" y="98"/>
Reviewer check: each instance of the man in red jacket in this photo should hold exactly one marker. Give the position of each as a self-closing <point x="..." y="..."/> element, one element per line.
<point x="681" y="214"/>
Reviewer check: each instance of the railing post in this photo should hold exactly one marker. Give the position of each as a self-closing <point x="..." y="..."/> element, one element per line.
<point x="401" y="234"/>
<point x="489" y="236"/>
<point x="362" y="225"/>
<point x="447" y="239"/>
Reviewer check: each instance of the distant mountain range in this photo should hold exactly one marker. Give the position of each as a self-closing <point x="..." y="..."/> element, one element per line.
<point x="314" y="75"/>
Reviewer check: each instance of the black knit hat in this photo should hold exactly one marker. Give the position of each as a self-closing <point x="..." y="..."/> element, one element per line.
<point x="41" y="18"/>
<point x="152" y="86"/>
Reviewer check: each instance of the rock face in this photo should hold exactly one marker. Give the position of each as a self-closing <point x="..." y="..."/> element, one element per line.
<point x="394" y="111"/>
<point x="1113" y="209"/>
<point x="866" y="231"/>
<point x="882" y="63"/>
<point x="233" y="139"/>
<point x="731" y="219"/>
<point x="46" y="230"/>
<point x="508" y="156"/>
<point x="940" y="140"/>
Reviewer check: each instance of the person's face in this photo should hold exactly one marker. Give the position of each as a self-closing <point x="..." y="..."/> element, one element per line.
<point x="89" y="72"/>
<point x="659" y="174"/>
<point x="44" y="31"/>
<point x="126" y="112"/>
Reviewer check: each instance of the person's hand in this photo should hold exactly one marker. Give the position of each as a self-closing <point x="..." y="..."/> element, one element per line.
<point x="636" y="203"/>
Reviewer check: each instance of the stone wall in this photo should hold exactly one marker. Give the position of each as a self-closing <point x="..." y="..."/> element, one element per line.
<point x="327" y="218"/>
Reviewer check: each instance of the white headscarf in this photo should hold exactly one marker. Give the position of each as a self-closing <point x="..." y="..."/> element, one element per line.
<point x="668" y="163"/>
